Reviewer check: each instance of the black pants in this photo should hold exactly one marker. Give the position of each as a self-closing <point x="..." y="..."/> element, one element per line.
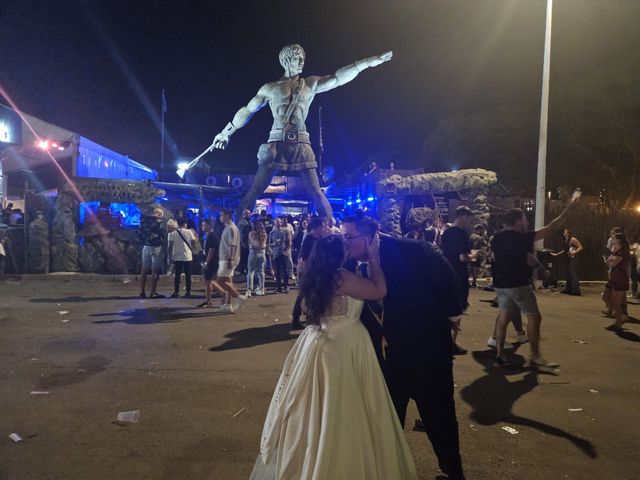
<point x="573" y="282"/>
<point x="244" y="257"/>
<point x="179" y="268"/>
<point x="281" y="265"/>
<point x="297" y="309"/>
<point x="429" y="382"/>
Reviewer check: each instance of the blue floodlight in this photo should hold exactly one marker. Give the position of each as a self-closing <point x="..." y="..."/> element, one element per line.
<point x="370" y="199"/>
<point x="358" y="200"/>
<point x="349" y="203"/>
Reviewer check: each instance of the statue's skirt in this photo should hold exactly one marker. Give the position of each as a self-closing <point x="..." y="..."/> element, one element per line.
<point x="287" y="156"/>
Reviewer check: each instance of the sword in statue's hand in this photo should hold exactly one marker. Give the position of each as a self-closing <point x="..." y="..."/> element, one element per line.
<point x="181" y="171"/>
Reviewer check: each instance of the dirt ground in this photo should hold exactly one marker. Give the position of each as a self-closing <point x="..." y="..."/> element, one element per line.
<point x="202" y="383"/>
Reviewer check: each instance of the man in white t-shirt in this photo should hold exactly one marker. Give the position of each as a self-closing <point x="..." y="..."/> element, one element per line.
<point x="229" y="258"/>
<point x="181" y="243"/>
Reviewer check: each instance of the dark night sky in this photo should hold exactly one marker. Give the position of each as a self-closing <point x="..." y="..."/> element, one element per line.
<point x="59" y="61"/>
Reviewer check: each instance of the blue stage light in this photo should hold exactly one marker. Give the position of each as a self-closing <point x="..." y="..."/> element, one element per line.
<point x="370" y="199"/>
<point x="358" y="200"/>
<point x="349" y="203"/>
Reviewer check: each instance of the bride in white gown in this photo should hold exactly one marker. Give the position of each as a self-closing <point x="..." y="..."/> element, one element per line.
<point x="331" y="416"/>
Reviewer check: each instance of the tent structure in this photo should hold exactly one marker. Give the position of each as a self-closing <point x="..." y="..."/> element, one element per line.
<point x="42" y="154"/>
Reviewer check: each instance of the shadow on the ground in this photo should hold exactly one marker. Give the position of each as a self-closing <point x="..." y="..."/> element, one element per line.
<point x="493" y="396"/>
<point x="627" y="335"/>
<point x="86" y="368"/>
<point x="149" y="316"/>
<point x="251" y="337"/>
<point x="78" y="299"/>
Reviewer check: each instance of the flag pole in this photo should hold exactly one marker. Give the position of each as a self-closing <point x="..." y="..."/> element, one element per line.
<point x="163" y="108"/>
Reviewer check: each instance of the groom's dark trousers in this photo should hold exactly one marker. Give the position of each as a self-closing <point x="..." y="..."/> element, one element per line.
<point x="415" y="337"/>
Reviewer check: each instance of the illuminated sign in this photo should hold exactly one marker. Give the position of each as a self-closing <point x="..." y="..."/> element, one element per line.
<point x="10" y="127"/>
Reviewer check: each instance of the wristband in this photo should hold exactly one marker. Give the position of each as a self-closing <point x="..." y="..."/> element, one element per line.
<point x="229" y="129"/>
<point x="360" y="65"/>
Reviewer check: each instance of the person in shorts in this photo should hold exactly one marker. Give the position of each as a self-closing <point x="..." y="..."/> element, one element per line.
<point x="153" y="235"/>
<point x="512" y="279"/>
<point x="211" y="242"/>
<point x="229" y="258"/>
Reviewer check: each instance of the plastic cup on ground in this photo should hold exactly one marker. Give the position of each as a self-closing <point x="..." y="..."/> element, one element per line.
<point x="129" y="417"/>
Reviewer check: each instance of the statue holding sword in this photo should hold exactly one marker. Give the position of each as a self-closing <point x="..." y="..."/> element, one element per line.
<point x="288" y="148"/>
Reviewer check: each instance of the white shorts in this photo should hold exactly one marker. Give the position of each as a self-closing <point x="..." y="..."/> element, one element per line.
<point x="224" y="270"/>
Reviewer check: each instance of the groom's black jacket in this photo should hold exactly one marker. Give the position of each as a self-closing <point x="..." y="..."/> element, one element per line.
<point x="422" y="294"/>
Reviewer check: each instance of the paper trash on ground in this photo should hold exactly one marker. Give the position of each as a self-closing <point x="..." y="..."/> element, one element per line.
<point x="15" y="437"/>
<point x="511" y="430"/>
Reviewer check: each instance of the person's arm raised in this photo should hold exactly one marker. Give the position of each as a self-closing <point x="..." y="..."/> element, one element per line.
<point x="241" y="118"/>
<point x="555" y="224"/>
<point x="348" y="73"/>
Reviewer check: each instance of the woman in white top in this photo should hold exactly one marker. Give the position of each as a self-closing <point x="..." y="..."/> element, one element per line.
<point x="331" y="416"/>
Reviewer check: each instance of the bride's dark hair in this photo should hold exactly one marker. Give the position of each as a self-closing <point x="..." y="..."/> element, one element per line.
<point x="319" y="281"/>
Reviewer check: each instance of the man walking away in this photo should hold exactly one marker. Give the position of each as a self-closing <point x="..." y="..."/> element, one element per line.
<point x="153" y="235"/>
<point x="316" y="229"/>
<point x="211" y="263"/>
<point x="229" y="259"/>
<point x="181" y="244"/>
<point x="512" y="279"/>
<point x="456" y="249"/>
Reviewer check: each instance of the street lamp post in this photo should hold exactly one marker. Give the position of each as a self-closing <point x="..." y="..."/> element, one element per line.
<point x="544" y="118"/>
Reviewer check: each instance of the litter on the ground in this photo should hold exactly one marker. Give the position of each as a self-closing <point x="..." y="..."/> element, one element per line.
<point x="38" y="392"/>
<point x="575" y="409"/>
<point x="15" y="437"/>
<point x="510" y="430"/>
<point x="581" y="342"/>
<point x="239" y="412"/>
<point x="130" y="417"/>
<point x="66" y="320"/>
<point x="591" y="390"/>
<point x="63" y="312"/>
<point x="126" y="281"/>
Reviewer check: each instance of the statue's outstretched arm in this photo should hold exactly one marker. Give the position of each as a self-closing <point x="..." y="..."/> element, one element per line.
<point x="348" y="73"/>
<point x="240" y="119"/>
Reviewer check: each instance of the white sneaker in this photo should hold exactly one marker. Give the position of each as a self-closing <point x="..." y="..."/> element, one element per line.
<point x="225" y="308"/>
<point x="492" y="343"/>
<point x="247" y="294"/>
<point x="523" y="337"/>
<point x="259" y="292"/>
<point x="238" y="302"/>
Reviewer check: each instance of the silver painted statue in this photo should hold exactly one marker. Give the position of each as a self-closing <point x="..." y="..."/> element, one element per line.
<point x="288" y="148"/>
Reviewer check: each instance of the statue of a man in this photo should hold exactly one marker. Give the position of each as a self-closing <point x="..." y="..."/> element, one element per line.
<point x="288" y="148"/>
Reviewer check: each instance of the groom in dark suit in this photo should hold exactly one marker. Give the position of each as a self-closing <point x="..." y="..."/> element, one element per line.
<point x="411" y="332"/>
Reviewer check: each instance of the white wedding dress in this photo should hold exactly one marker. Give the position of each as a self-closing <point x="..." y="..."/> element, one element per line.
<point x="331" y="416"/>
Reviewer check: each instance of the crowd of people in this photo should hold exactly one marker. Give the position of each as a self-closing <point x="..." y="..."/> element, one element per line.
<point x="365" y="321"/>
<point x="257" y="244"/>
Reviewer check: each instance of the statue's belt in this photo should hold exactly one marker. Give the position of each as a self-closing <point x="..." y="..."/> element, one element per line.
<point x="289" y="135"/>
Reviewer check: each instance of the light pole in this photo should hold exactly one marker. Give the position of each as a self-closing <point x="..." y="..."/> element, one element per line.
<point x="544" y="119"/>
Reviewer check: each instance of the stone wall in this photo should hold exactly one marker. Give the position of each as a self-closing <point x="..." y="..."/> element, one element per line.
<point x="474" y="183"/>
